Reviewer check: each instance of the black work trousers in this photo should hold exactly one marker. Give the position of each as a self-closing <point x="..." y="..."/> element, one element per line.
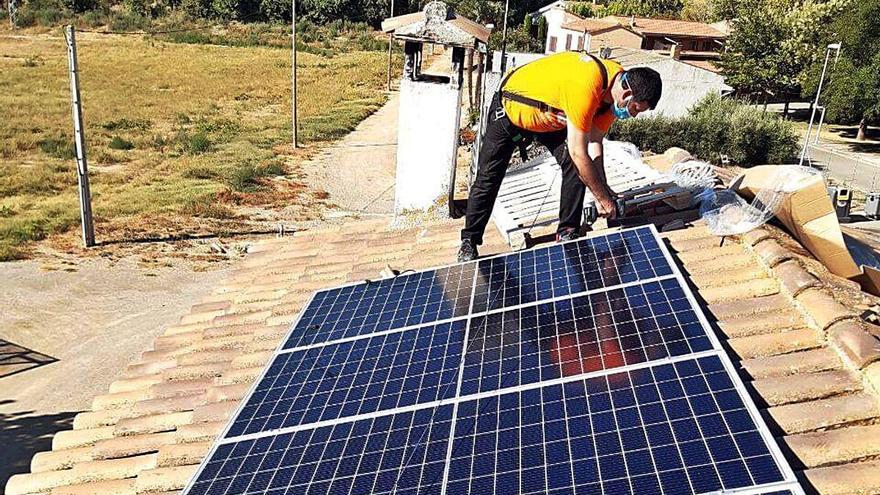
<point x="501" y="138"/>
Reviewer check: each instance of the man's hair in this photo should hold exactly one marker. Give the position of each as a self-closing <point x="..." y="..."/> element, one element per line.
<point x="645" y="84"/>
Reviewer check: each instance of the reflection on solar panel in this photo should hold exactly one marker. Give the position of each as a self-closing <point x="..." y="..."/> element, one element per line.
<point x="565" y="269"/>
<point x="399" y="302"/>
<point x="584" y="367"/>
<point x="601" y="330"/>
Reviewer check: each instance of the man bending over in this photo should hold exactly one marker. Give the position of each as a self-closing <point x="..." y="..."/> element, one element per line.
<point x="567" y="102"/>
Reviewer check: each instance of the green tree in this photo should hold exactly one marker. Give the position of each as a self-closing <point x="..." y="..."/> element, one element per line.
<point x="772" y="42"/>
<point x="853" y="91"/>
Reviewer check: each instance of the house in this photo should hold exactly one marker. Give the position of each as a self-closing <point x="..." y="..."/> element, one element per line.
<point x="685" y="82"/>
<point x="682" y="39"/>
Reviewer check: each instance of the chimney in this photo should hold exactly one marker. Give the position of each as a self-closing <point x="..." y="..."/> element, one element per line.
<point x="675" y="51"/>
<point x="632" y="21"/>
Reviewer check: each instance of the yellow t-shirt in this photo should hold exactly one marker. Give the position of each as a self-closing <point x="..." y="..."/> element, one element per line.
<point x="569" y="81"/>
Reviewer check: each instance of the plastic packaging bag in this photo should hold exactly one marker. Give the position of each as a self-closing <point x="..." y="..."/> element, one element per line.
<point x="727" y="213"/>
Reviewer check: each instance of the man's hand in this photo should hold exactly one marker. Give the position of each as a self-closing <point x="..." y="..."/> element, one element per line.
<point x="606" y="206"/>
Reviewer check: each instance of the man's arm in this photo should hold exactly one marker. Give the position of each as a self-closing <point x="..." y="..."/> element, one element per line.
<point x="596" y="152"/>
<point x="591" y="173"/>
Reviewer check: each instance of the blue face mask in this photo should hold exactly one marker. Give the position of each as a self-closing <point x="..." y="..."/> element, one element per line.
<point x="622" y="113"/>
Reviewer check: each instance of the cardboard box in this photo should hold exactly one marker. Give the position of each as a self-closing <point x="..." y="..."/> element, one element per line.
<point x="809" y="216"/>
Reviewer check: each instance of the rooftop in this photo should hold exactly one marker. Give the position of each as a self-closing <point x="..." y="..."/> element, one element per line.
<point x="646" y="26"/>
<point x="792" y="328"/>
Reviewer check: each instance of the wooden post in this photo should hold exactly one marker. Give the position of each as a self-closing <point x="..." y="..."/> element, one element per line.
<point x="293" y="71"/>
<point x="82" y="169"/>
<point x="11" y="9"/>
<point x="470" y="77"/>
<point x="390" y="41"/>
<point x="478" y="98"/>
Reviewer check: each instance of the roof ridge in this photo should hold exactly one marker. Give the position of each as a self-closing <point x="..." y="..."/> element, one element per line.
<point x="842" y="327"/>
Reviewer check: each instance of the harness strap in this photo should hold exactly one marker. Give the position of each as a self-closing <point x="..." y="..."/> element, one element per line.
<point x="540" y="105"/>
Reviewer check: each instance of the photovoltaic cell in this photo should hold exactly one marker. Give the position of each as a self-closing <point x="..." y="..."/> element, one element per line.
<point x="597" y="331"/>
<point x="407" y="300"/>
<point x="362" y="376"/>
<point x="577" y="376"/>
<point x="680" y="427"/>
<point x="402" y="453"/>
<point x="569" y="268"/>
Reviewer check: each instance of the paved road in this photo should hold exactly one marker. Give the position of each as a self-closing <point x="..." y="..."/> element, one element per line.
<point x="859" y="174"/>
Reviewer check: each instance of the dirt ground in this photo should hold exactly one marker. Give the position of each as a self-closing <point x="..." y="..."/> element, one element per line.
<point x="67" y="331"/>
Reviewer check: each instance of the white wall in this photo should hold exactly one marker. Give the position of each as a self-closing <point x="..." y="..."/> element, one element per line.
<point x="683" y="85"/>
<point x="427" y="143"/>
<point x="555" y="17"/>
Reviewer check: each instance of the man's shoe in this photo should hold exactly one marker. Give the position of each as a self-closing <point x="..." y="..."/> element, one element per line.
<point x="467" y="251"/>
<point x="569" y="234"/>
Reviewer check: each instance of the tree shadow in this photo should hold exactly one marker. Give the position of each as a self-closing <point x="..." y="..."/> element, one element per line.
<point x="23" y="434"/>
<point x="15" y="359"/>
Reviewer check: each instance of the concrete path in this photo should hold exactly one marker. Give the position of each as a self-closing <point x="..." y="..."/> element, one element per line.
<point x="847" y="168"/>
<point x="358" y="170"/>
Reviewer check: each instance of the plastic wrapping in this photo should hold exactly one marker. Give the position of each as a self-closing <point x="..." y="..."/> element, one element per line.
<point x="693" y="175"/>
<point x="727" y="213"/>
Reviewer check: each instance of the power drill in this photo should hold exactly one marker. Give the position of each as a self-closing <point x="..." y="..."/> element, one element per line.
<point x="591" y="212"/>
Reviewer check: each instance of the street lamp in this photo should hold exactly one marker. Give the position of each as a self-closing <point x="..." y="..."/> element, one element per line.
<point x="828" y="49"/>
<point x="504" y="39"/>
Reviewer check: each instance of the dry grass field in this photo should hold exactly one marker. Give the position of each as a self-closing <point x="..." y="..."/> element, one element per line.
<point x="182" y="138"/>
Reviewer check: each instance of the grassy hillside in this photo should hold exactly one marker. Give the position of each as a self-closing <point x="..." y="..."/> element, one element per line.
<point x="181" y="138"/>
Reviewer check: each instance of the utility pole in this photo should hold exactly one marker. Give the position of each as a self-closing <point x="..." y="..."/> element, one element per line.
<point x="11" y="10"/>
<point x="82" y="169"/>
<point x="504" y="39"/>
<point x="293" y="71"/>
<point x="390" y="41"/>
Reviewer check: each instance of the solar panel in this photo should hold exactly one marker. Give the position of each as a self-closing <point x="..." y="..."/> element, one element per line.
<point x="570" y="268"/>
<point x="400" y="453"/>
<point x="585" y="367"/>
<point x="671" y="428"/>
<point x="602" y="330"/>
<point x="364" y="308"/>
<point x="355" y="377"/>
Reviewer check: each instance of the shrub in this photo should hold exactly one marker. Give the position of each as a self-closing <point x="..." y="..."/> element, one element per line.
<point x="128" y="21"/>
<point x="715" y="126"/>
<point x="125" y="124"/>
<point x="193" y="144"/>
<point x="119" y="143"/>
<point x="58" y="147"/>
<point x="246" y="177"/>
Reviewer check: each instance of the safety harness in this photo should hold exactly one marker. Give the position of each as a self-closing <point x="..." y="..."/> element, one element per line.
<point x="540" y="105"/>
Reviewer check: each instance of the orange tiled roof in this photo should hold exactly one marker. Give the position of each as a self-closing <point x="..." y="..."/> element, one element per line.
<point x="669" y="27"/>
<point x="810" y="361"/>
<point x="590" y="25"/>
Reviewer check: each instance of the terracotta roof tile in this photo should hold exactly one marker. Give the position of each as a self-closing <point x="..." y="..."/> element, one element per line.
<point x="806" y="386"/>
<point x="116" y="487"/>
<point x="763" y="323"/>
<point x="794" y="363"/>
<point x="835" y="446"/>
<point x="858" y="478"/>
<point x="168" y="407"/>
<point x="771" y="344"/>
<point x="824" y="413"/>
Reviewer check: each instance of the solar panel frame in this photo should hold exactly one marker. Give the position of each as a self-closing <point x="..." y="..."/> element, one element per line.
<point x="789" y="485"/>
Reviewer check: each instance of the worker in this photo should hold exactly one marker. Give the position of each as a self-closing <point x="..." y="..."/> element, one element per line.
<point x="567" y="102"/>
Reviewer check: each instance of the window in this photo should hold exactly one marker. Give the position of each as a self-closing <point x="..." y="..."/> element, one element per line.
<point x="581" y="43"/>
<point x="552" y="48"/>
<point x="567" y="42"/>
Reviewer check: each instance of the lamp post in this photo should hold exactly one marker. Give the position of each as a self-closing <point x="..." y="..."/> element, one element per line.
<point x="504" y="39"/>
<point x="836" y="48"/>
